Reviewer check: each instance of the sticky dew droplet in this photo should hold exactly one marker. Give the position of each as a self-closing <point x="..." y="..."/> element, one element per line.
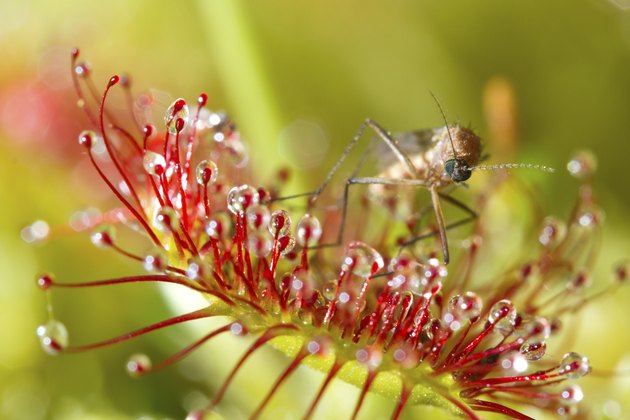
<point x="45" y="281"/>
<point x="237" y="153"/>
<point x="280" y="223"/>
<point x="533" y="327"/>
<point x="465" y="307"/>
<point x="83" y="219"/>
<point x="579" y="281"/>
<point x="308" y="231"/>
<point x="138" y="364"/>
<point x="590" y="218"/>
<point x="363" y="260"/>
<point x="82" y="69"/>
<point x="258" y="217"/>
<point x="238" y="329"/>
<point x="197" y="269"/>
<point x="218" y="226"/>
<point x="401" y="262"/>
<point x="574" y="365"/>
<point x="582" y="165"/>
<point x="286" y="244"/>
<point x="166" y="219"/>
<point x="239" y="199"/>
<point x="329" y="289"/>
<point x="553" y="232"/>
<point x="153" y="163"/>
<point x="223" y="129"/>
<point x="207" y="172"/>
<point x="572" y="394"/>
<point x="155" y="262"/>
<point x="433" y="270"/>
<point x="202" y="99"/>
<point x="53" y="336"/>
<point x="369" y="357"/>
<point x="407" y="273"/>
<point x="259" y="244"/>
<point x="88" y="139"/>
<point x="318" y="346"/>
<point x="217" y="119"/>
<point x="533" y="349"/>
<point x="178" y="110"/>
<point x="263" y="194"/>
<point x="37" y="231"/>
<point x="103" y="236"/>
<point x="503" y="316"/>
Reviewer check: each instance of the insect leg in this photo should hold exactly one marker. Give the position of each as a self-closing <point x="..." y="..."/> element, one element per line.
<point x="472" y="215"/>
<point x="391" y="143"/>
<point x="435" y="199"/>
<point x="365" y="181"/>
<point x="424" y="210"/>
<point x="437" y="208"/>
<point x="382" y="134"/>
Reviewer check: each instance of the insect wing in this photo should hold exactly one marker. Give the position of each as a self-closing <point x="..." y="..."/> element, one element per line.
<point x="411" y="143"/>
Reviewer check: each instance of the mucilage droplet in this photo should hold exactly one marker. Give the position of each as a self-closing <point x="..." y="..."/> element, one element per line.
<point x="53" y="336"/>
<point x="178" y="110"/>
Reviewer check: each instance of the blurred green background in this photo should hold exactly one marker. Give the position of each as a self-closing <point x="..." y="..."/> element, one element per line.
<point x="295" y="76"/>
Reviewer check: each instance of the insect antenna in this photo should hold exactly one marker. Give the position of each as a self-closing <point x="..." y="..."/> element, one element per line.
<point x="512" y="166"/>
<point x="448" y="130"/>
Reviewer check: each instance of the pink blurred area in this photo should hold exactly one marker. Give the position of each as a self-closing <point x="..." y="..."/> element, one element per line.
<point x="34" y="115"/>
<point x="38" y="108"/>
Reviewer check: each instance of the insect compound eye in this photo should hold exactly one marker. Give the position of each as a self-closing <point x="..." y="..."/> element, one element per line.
<point x="457" y="169"/>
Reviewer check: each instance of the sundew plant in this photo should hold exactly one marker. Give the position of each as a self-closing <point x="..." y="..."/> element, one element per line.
<point x="379" y="308"/>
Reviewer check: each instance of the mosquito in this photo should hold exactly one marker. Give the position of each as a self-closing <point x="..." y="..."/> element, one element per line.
<point x="436" y="159"/>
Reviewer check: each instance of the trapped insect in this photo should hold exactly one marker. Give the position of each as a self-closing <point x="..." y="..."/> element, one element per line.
<point x="435" y="159"/>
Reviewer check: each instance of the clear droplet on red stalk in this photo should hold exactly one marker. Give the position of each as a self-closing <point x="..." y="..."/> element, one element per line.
<point x="572" y="394"/>
<point x="258" y="216"/>
<point x="503" y="315"/>
<point x="574" y="365"/>
<point x="138" y="364"/>
<point x="553" y="232"/>
<point x="53" y="336"/>
<point x="280" y="223"/>
<point x="582" y="165"/>
<point x="166" y="219"/>
<point x="259" y="244"/>
<point x="177" y="110"/>
<point x="45" y="281"/>
<point x="465" y="307"/>
<point x="286" y="244"/>
<point x="218" y="226"/>
<point x="308" y="230"/>
<point x="241" y="198"/>
<point x="87" y="138"/>
<point x="533" y="349"/>
<point x="207" y="172"/>
<point x="363" y="260"/>
<point x="155" y="262"/>
<point x="154" y="163"/>
<point x="103" y="236"/>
